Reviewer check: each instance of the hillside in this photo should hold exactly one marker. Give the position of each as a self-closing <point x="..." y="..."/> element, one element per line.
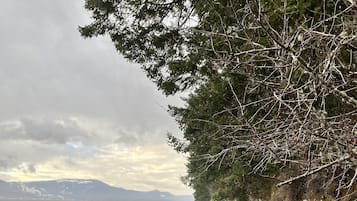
<point x="79" y="190"/>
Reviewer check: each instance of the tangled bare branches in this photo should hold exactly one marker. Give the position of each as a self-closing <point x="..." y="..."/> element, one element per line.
<point x="288" y="69"/>
<point x="302" y="89"/>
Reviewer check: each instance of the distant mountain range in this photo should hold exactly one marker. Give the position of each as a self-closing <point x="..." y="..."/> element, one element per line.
<point x="78" y="190"/>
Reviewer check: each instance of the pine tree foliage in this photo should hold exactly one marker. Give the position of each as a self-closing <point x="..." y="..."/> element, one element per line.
<point x="274" y="86"/>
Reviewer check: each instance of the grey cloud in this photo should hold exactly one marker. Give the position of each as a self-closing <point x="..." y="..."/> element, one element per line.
<point x="4" y="164"/>
<point x="31" y="168"/>
<point x="46" y="67"/>
<point x="27" y="168"/>
<point x="50" y="131"/>
<point x="127" y="139"/>
<point x="47" y="131"/>
<point x="23" y="167"/>
<point x="15" y="152"/>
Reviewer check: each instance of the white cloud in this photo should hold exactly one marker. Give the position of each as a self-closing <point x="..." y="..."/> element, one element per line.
<point x="139" y="168"/>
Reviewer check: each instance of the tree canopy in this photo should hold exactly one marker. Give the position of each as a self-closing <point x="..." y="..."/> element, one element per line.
<point x="273" y="87"/>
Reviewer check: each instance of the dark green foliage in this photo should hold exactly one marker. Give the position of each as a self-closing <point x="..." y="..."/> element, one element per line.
<point x="229" y="178"/>
<point x="233" y="52"/>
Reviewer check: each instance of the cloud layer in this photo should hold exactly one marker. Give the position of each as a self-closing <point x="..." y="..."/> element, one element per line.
<point x="72" y="107"/>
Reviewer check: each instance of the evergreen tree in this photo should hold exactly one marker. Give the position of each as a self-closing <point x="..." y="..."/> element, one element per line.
<point x="274" y="86"/>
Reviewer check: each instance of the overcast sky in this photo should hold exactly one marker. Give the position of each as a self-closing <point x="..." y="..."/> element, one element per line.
<point x="74" y="108"/>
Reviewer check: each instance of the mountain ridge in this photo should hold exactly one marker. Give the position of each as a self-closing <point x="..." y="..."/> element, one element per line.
<point x="79" y="190"/>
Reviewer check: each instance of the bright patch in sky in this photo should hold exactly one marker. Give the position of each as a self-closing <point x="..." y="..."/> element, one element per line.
<point x="76" y="145"/>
